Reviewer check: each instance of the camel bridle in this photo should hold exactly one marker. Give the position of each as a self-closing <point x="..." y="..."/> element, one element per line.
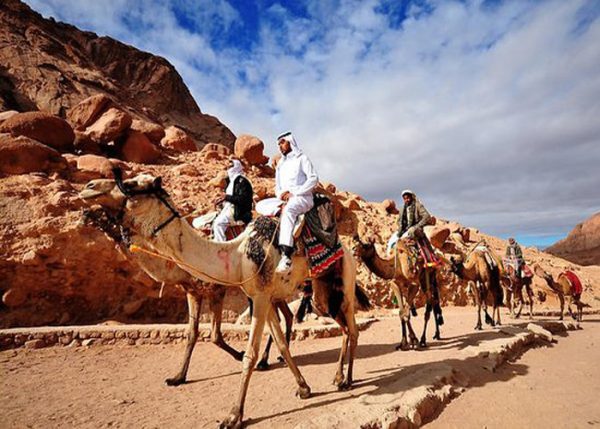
<point x="155" y="190"/>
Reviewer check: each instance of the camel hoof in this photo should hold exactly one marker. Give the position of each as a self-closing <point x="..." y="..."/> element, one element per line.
<point x="403" y="346"/>
<point x="175" y="381"/>
<point x="437" y="337"/>
<point x="233" y="421"/>
<point x="281" y="359"/>
<point x="423" y="343"/>
<point x="303" y="392"/>
<point x="478" y="328"/>
<point x="440" y="320"/>
<point x="263" y="365"/>
<point x="345" y="385"/>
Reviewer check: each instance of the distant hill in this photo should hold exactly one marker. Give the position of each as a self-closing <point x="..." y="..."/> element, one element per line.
<point x="582" y="245"/>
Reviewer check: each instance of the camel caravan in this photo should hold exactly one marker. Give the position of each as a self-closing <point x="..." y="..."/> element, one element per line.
<point x="292" y="245"/>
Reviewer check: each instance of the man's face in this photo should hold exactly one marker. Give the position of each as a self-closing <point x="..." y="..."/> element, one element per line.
<point x="284" y="146"/>
<point x="407" y="198"/>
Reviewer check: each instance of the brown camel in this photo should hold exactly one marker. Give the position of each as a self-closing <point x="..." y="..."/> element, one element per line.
<point x="486" y="277"/>
<point x="148" y="211"/>
<point x="514" y="287"/>
<point x="563" y="287"/>
<point x="407" y="278"/>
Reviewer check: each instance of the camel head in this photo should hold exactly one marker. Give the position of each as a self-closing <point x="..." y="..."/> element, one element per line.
<point x="140" y="196"/>
<point x="539" y="271"/>
<point x="365" y="249"/>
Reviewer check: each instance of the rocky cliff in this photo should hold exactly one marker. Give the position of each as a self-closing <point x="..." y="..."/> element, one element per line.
<point x="51" y="66"/>
<point x="582" y="245"/>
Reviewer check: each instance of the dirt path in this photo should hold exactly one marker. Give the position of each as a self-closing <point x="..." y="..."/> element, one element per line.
<point x="561" y="389"/>
<point x="122" y="386"/>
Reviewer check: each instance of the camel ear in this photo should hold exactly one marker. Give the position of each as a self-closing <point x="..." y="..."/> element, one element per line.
<point x="157" y="184"/>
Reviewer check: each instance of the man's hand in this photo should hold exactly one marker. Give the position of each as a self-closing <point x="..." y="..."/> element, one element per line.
<point x="219" y="200"/>
<point x="286" y="196"/>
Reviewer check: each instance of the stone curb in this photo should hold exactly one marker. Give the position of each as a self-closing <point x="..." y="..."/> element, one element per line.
<point x="418" y="397"/>
<point x="73" y="336"/>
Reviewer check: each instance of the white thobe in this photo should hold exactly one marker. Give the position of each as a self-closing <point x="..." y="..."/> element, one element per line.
<point x="295" y="174"/>
<point x="225" y="217"/>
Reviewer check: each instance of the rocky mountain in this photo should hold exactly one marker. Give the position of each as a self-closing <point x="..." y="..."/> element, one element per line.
<point x="56" y="268"/>
<point x="582" y="245"/>
<point x="52" y="66"/>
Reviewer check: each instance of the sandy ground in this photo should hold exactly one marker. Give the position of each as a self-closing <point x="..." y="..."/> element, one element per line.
<point x="122" y="386"/>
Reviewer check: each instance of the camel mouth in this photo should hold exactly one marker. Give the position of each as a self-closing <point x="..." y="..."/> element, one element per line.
<point x="87" y="194"/>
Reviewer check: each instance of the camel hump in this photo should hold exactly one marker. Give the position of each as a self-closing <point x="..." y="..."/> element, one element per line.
<point x="573" y="279"/>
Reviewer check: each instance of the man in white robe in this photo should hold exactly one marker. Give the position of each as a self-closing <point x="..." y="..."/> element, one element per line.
<point x="295" y="179"/>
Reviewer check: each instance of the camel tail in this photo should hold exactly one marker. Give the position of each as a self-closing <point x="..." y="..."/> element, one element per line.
<point x="496" y="287"/>
<point x="364" y="303"/>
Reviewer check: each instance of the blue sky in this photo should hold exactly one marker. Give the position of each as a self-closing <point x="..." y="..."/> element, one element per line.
<point x="487" y="109"/>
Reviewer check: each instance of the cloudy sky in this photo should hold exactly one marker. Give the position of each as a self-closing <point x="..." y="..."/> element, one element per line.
<point x="488" y="110"/>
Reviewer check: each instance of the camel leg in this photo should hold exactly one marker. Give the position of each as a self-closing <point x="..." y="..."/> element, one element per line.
<point x="352" y="342"/>
<point x="478" y="326"/>
<point x="412" y="292"/>
<point x="194" y="304"/>
<point x="303" y="389"/>
<point x="262" y="306"/>
<point x="401" y="309"/>
<point x="570" y="310"/>
<point x="484" y="295"/>
<point x="288" y="316"/>
<point x="263" y="364"/>
<point x="437" y="309"/>
<point x="338" y="380"/>
<point x="519" y="296"/>
<point x="530" y="296"/>
<point x="428" y="308"/>
<point x="216" y="336"/>
<point x="561" y="298"/>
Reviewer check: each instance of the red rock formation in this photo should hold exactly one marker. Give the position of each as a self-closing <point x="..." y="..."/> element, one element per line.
<point x="53" y="66"/>
<point x="582" y="245"/>
<point x="21" y="154"/>
<point x="43" y="127"/>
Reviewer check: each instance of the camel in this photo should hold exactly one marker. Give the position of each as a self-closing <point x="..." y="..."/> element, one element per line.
<point x="148" y="211"/>
<point x="168" y="273"/>
<point x="563" y="287"/>
<point x="486" y="278"/>
<point x="514" y="286"/>
<point x="405" y="275"/>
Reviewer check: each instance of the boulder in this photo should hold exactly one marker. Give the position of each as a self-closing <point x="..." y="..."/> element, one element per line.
<point x="97" y="165"/>
<point x="153" y="131"/>
<point x="210" y="155"/>
<point x="219" y="180"/>
<point x="14" y="297"/>
<point x="223" y="151"/>
<point x="20" y="155"/>
<point x="109" y="126"/>
<point x="88" y="111"/>
<point x="138" y="148"/>
<point x="7" y="114"/>
<point x="43" y="127"/>
<point x="437" y="235"/>
<point x="250" y="149"/>
<point x="176" y="139"/>
<point x="390" y="206"/>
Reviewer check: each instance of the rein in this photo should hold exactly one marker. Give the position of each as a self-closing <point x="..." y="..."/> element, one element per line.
<point x="156" y="191"/>
<point x="138" y="249"/>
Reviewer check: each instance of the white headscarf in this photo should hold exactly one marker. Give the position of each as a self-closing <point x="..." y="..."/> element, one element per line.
<point x="233" y="172"/>
<point x="288" y="136"/>
<point x="236" y="170"/>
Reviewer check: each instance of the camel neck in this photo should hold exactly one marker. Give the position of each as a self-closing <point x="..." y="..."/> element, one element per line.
<point x="380" y="267"/>
<point x="204" y="259"/>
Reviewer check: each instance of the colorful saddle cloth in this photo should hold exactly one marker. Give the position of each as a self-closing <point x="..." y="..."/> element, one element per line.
<point x="576" y="286"/>
<point x="426" y="252"/>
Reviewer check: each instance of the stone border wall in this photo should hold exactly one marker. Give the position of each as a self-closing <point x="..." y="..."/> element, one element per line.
<point x="74" y="336"/>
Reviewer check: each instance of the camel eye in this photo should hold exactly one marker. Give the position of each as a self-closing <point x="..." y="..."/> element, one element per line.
<point x="90" y="186"/>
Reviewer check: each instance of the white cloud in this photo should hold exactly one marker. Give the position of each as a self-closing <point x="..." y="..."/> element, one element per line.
<point x="489" y="112"/>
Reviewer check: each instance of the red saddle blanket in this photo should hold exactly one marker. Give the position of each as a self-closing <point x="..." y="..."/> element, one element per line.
<point x="526" y="271"/>
<point x="429" y="257"/>
<point x="576" y="285"/>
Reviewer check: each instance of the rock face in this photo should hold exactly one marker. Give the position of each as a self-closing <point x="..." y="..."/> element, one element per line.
<point x="177" y="140"/>
<point x="582" y="245"/>
<point x="53" y="66"/>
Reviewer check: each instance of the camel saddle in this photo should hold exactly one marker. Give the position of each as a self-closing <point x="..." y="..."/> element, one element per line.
<point x="576" y="286"/>
<point x="423" y="252"/>
<point x="204" y="224"/>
